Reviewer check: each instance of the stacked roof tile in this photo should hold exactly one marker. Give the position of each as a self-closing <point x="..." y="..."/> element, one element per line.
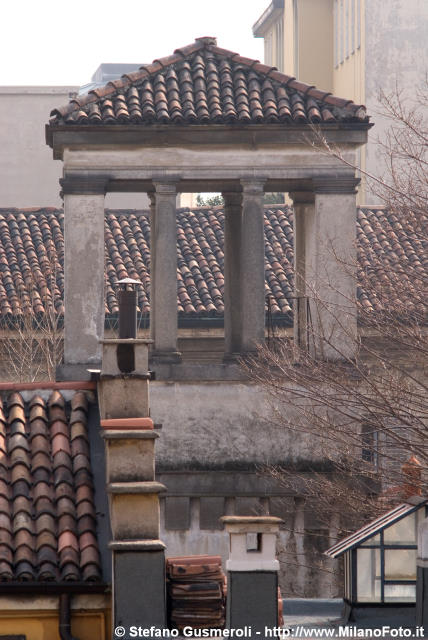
<point x="392" y="254"/>
<point x="205" y="84"/>
<point x="47" y="513"/>
<point x="196" y="590"/>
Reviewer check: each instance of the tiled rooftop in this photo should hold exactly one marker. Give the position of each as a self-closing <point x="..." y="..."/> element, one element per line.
<point x="204" y="84"/>
<point x="32" y="248"/>
<point x="47" y="513"/>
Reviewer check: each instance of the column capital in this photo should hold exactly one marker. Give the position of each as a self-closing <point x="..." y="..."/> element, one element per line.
<point x="335" y="184"/>
<point x="232" y="198"/>
<point x="165" y="185"/>
<point x="84" y="185"/>
<point x="253" y="187"/>
<point x="302" y="197"/>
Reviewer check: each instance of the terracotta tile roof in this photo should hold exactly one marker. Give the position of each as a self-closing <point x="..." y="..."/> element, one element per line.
<point x="47" y="513"/>
<point x="201" y="84"/>
<point x="32" y="247"/>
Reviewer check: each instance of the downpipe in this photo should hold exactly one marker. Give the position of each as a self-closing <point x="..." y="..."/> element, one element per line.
<point x="65" y="617"/>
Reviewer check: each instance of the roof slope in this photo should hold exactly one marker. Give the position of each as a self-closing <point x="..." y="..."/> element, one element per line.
<point x="32" y="254"/>
<point x="204" y="84"/>
<point x="47" y="512"/>
<point x="373" y="528"/>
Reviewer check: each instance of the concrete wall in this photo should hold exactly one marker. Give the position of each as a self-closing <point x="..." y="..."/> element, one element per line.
<point x="383" y="47"/>
<point x="29" y="177"/>
<point x="215" y="440"/>
<point x="219" y="425"/>
<point x="396" y="56"/>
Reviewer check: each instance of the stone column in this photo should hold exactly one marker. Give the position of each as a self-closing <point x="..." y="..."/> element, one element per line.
<point x="303" y="205"/>
<point x="422" y="576"/>
<point x="152" y="199"/>
<point x="331" y="266"/>
<point x="232" y="274"/>
<point x="83" y="271"/>
<point x="164" y="251"/>
<point x="252" y="267"/>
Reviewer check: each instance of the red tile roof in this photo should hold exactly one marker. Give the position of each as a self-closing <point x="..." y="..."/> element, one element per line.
<point x="32" y="248"/>
<point x="47" y="512"/>
<point x="202" y="84"/>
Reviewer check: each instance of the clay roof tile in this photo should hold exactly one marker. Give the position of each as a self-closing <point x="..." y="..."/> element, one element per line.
<point x="191" y="98"/>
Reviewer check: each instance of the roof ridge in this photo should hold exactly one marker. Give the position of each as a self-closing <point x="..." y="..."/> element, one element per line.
<point x="209" y="43"/>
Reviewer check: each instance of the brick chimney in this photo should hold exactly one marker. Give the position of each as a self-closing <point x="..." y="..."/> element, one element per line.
<point x="129" y="436"/>
<point x="412" y="478"/>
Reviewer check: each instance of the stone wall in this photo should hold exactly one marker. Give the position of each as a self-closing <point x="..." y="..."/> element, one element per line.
<point x="216" y="440"/>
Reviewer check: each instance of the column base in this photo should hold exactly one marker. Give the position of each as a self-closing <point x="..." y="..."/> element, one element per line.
<point x="165" y="357"/>
<point x="138" y="601"/>
<point x="252" y="602"/>
<point x="422" y="596"/>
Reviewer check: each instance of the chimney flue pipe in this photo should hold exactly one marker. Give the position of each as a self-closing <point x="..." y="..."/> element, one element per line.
<point x="127" y="299"/>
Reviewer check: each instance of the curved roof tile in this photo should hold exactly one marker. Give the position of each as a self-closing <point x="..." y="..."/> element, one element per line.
<point x="42" y="535"/>
<point x="205" y="84"/>
<point x="389" y="249"/>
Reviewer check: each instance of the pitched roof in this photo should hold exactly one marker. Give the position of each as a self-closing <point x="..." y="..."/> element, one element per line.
<point x="204" y="84"/>
<point x="32" y="254"/>
<point x="373" y="528"/>
<point x="47" y="512"/>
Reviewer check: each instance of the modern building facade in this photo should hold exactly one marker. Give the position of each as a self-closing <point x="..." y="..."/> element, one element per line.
<point x="352" y="48"/>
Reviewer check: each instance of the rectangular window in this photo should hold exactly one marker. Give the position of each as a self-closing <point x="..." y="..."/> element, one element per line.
<point x="341" y="32"/>
<point x="279" y="45"/>
<point x="254" y="542"/>
<point x="400" y="593"/>
<point x="369" y="444"/>
<point x="336" y="34"/>
<point x="268" y="49"/>
<point x="358" y="24"/>
<point x="368" y="575"/>
<point x="346" y="28"/>
<point x="400" y="564"/>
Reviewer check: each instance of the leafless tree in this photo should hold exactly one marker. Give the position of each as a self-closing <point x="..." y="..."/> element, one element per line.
<point x="367" y="416"/>
<point x="31" y="336"/>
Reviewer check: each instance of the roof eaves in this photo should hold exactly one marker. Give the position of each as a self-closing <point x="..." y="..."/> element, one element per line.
<point x="112" y="87"/>
<point x="268" y="16"/>
<point x="373" y="528"/>
<point x="129" y="78"/>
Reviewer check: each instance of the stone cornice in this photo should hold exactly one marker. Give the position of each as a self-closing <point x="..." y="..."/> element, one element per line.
<point x="335" y="184"/>
<point x="84" y="185"/>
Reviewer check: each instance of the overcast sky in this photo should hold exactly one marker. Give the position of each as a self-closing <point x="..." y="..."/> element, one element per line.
<point x="62" y="43"/>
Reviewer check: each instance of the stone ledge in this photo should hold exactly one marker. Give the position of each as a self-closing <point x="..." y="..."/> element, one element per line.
<point x="193" y="372"/>
<point x="127" y="423"/>
<point x="137" y="545"/>
<point x="119" y="488"/>
<point x="71" y="372"/>
<point x="129" y="434"/>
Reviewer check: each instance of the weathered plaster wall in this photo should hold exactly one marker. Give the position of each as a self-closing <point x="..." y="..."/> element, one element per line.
<point x="396" y="57"/>
<point x="214" y="441"/>
<point x="29" y="178"/>
<point x="216" y="424"/>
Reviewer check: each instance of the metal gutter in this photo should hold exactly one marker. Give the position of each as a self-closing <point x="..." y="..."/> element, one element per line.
<point x="268" y="16"/>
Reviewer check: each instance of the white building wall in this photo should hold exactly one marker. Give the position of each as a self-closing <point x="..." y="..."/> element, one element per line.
<point x="396" y="56"/>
